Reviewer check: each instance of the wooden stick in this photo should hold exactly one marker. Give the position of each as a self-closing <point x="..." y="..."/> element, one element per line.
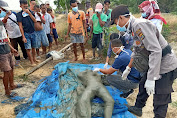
<point x="46" y="61"/>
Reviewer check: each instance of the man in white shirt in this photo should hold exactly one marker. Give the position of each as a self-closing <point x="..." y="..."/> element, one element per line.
<point x="48" y="24"/>
<point x="14" y="34"/>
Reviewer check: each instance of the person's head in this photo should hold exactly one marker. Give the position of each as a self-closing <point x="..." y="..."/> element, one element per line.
<point x="47" y="4"/>
<point x="106" y="4"/>
<point x="24" y="4"/>
<point x="43" y="8"/>
<point x="3" y="8"/>
<point x="37" y="8"/>
<point x="73" y="5"/>
<point x="148" y="9"/>
<point x="116" y="45"/>
<point x="120" y="16"/>
<point x="98" y="8"/>
<point x="114" y="36"/>
<point x="49" y="10"/>
<point x="32" y="4"/>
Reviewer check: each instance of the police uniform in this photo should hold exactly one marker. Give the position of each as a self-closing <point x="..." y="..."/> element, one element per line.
<point x="162" y="64"/>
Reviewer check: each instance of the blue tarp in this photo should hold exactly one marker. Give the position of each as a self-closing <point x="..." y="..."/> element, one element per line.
<point x="56" y="96"/>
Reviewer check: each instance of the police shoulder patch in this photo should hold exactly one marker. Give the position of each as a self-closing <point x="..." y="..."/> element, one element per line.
<point x="140" y="34"/>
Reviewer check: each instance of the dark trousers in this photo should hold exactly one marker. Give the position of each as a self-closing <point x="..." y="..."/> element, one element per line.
<point x="15" y="42"/>
<point x="162" y="96"/>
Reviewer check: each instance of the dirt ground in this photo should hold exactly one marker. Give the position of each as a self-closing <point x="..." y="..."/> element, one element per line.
<point x="31" y="83"/>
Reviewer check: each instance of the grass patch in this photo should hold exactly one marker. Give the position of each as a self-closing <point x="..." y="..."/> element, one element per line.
<point x="174" y="104"/>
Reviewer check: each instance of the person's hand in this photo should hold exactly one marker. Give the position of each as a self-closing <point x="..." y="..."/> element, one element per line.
<point x="24" y="40"/>
<point x="98" y="14"/>
<point x="106" y="65"/>
<point x="150" y="86"/>
<point x="27" y="11"/>
<point x="96" y="70"/>
<point x="66" y="37"/>
<point x="126" y="72"/>
<point x="38" y="14"/>
<point x="8" y="12"/>
<point x="51" y="32"/>
<point x="15" y="52"/>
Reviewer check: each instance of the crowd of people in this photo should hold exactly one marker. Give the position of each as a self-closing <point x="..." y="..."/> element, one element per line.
<point x="31" y="28"/>
<point x="142" y="55"/>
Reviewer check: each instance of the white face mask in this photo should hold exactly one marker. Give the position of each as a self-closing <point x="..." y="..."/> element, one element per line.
<point x="121" y="48"/>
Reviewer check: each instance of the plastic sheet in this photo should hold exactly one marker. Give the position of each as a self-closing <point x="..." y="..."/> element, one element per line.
<point x="57" y="95"/>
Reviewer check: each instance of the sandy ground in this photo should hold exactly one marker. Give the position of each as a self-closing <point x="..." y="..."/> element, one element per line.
<point x="7" y="110"/>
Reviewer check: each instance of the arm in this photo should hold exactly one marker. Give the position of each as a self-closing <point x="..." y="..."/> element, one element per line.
<point x="69" y="28"/>
<point x="108" y="71"/>
<point x="91" y="30"/>
<point x="22" y="31"/>
<point x="6" y="17"/>
<point x="42" y="20"/>
<point x="85" y="28"/>
<point x="31" y="15"/>
<point x="130" y="63"/>
<point x="51" y="28"/>
<point x="152" y="45"/>
<point x="102" y="23"/>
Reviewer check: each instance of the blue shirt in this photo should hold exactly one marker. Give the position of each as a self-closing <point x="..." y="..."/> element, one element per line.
<point x="127" y="41"/>
<point x="122" y="61"/>
<point x="27" y="22"/>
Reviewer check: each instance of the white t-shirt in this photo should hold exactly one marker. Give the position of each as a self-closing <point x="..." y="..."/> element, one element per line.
<point x="12" y="28"/>
<point x="158" y="23"/>
<point x="48" y="20"/>
<point x="37" y="17"/>
<point x="3" y="34"/>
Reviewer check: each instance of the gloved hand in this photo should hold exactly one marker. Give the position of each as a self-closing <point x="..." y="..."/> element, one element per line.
<point x="96" y="70"/>
<point x="150" y="86"/>
<point x="126" y="72"/>
<point x="105" y="66"/>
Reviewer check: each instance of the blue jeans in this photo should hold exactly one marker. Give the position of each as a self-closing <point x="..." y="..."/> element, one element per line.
<point x="31" y="40"/>
<point x="41" y="37"/>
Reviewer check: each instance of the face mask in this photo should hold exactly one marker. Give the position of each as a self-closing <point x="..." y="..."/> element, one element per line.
<point x="75" y="9"/>
<point x="121" y="48"/>
<point x="2" y="14"/>
<point x="122" y="29"/>
<point x="144" y="15"/>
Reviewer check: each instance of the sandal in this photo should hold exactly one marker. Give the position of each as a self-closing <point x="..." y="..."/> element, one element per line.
<point x="18" y="86"/>
<point x="12" y="94"/>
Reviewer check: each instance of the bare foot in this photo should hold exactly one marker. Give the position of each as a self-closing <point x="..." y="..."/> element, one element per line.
<point x="33" y="65"/>
<point x="75" y="59"/>
<point x="37" y="61"/>
<point x="84" y="61"/>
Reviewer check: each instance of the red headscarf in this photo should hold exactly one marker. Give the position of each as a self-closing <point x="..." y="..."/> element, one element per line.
<point x="153" y="9"/>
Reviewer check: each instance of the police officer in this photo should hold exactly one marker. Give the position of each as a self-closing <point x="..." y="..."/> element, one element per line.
<point x="160" y="64"/>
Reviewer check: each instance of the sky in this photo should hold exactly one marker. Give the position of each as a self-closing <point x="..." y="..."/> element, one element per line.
<point x="14" y="4"/>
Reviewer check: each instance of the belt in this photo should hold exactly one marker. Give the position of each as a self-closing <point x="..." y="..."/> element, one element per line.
<point x="4" y="41"/>
<point x="166" y="50"/>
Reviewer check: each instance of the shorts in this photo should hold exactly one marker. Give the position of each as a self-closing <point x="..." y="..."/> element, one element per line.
<point x="6" y="62"/>
<point x="49" y="38"/>
<point x="96" y="41"/>
<point x="55" y="33"/>
<point x="31" y="40"/>
<point x="77" y="38"/>
<point x="41" y="37"/>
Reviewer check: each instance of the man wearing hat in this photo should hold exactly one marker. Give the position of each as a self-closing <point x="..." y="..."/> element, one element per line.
<point x="152" y="56"/>
<point x="98" y="21"/>
<point x="6" y="61"/>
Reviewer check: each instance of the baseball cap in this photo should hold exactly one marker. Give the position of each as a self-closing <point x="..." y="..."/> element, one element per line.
<point x="98" y="7"/>
<point x="4" y="5"/>
<point x="119" y="10"/>
<point x="47" y="2"/>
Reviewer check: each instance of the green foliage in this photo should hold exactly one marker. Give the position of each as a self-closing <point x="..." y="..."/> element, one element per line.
<point x="166" y="31"/>
<point x="174" y="104"/>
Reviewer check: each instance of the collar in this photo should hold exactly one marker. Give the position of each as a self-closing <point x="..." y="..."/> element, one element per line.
<point x="75" y="13"/>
